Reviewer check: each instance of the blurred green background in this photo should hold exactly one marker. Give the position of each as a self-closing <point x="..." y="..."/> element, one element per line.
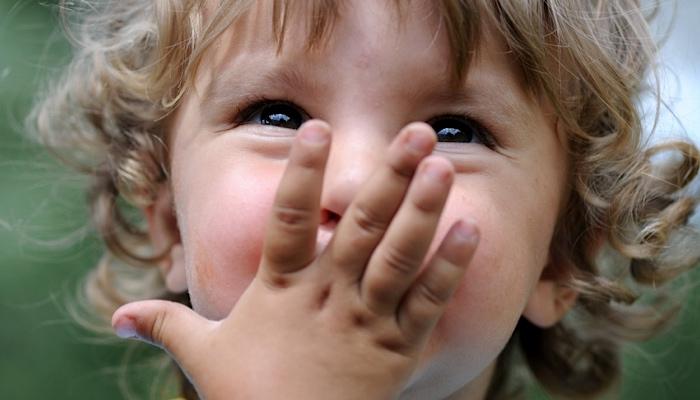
<point x="45" y="244"/>
<point x="46" y="248"/>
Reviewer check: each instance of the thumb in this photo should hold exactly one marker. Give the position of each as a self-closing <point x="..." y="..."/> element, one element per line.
<point x="171" y="326"/>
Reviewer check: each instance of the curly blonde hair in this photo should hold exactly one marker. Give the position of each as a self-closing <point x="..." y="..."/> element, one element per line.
<point x="588" y="58"/>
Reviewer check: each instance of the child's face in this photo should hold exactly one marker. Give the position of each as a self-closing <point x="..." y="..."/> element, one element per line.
<point x="372" y="78"/>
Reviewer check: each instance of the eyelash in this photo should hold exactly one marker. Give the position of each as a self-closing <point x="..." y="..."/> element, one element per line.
<point x="250" y="107"/>
<point x="482" y="134"/>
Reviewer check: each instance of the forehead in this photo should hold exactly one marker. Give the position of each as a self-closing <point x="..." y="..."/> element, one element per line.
<point x="370" y="29"/>
<point x="371" y="59"/>
<point x="368" y="33"/>
<point x="313" y="23"/>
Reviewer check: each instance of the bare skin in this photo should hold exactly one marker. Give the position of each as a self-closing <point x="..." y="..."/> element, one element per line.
<point x="331" y="300"/>
<point x="348" y="322"/>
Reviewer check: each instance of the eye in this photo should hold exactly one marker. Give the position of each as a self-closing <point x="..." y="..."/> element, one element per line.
<point x="281" y="114"/>
<point x="457" y="129"/>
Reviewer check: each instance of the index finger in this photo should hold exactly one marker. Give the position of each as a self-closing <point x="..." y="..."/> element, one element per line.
<point x="290" y="241"/>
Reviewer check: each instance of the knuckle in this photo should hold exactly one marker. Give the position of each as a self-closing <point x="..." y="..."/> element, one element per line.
<point x="399" y="262"/>
<point x="403" y="166"/>
<point x="158" y="328"/>
<point x="432" y="295"/>
<point x="291" y="218"/>
<point x="429" y="204"/>
<point x="394" y="344"/>
<point x="428" y="201"/>
<point x="368" y="221"/>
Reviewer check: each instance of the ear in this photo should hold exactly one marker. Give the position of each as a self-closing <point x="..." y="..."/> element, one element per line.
<point x="549" y="302"/>
<point x="551" y="299"/>
<point x="165" y="237"/>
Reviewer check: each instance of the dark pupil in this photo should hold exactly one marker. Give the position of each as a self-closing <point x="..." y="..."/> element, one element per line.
<point x="454" y="135"/>
<point x="453" y="131"/>
<point x="281" y="115"/>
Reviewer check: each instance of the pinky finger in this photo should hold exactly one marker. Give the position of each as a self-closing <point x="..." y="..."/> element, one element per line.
<point x="427" y="298"/>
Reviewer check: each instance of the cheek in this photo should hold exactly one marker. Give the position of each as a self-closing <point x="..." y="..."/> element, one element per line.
<point x="226" y="235"/>
<point x="512" y="250"/>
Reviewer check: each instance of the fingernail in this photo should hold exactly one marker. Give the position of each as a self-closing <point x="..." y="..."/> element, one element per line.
<point x="125" y="328"/>
<point x="314" y="134"/>
<point x="466" y="230"/>
<point x="419" y="143"/>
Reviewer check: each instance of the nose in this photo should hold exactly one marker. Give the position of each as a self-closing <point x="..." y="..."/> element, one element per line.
<point x="353" y="157"/>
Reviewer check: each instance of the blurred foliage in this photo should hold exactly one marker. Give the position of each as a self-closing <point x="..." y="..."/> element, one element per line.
<point x="46" y="248"/>
<point x="45" y="244"/>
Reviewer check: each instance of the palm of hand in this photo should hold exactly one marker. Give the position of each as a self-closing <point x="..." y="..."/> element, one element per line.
<point x="347" y="323"/>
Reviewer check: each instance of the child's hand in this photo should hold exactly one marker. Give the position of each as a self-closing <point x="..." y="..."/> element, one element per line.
<point x="345" y="322"/>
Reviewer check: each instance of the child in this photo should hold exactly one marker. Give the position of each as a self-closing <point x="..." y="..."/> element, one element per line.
<point x="345" y="250"/>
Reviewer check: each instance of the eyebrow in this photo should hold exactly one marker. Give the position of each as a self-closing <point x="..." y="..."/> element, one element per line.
<point x="506" y="100"/>
<point x="487" y="96"/>
<point x="227" y="89"/>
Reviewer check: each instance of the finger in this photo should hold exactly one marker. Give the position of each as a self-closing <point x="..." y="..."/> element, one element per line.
<point x="427" y="298"/>
<point x="290" y="242"/>
<point x="365" y="221"/>
<point x="171" y="326"/>
<point x="394" y="265"/>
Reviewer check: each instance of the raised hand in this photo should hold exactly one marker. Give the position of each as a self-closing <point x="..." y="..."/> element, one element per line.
<point x="347" y="322"/>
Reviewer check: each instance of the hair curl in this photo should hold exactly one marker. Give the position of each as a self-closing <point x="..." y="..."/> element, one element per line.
<point x="588" y="58"/>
